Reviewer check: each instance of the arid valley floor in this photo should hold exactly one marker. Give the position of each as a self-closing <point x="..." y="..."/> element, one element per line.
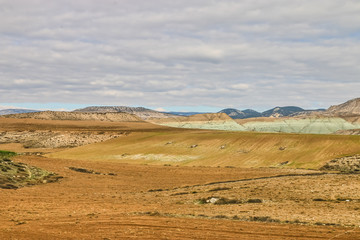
<point x="136" y="180"/>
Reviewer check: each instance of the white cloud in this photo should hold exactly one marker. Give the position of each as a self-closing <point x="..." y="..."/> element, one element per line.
<point x="9" y="107"/>
<point x="240" y="86"/>
<point x="160" y="109"/>
<point x="166" y="53"/>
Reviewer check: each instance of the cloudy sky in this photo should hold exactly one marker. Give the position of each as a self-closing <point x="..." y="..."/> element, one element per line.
<point x="196" y="55"/>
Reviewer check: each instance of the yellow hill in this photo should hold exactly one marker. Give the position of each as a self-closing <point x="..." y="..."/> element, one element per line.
<point x="210" y="148"/>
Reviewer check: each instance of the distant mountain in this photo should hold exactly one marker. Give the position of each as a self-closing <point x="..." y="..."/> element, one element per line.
<point x="184" y="113"/>
<point x="16" y="111"/>
<point x="141" y="112"/>
<point x="290" y="111"/>
<point x="351" y="107"/>
<point x="237" y="114"/>
<point x="282" y="111"/>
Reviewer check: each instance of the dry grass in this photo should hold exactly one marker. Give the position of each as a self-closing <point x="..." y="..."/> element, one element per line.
<point x="243" y="149"/>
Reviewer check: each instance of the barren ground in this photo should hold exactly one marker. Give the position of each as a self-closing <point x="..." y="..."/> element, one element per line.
<point x="137" y="201"/>
<point x="131" y="204"/>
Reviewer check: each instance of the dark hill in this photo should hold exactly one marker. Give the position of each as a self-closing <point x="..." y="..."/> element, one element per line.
<point x="237" y="114"/>
<point x="16" y="111"/>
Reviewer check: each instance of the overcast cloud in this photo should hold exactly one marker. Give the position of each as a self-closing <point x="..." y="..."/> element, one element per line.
<point x="162" y="54"/>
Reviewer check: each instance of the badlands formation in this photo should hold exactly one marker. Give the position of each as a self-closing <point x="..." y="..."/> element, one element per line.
<point x="311" y="124"/>
<point x="113" y="175"/>
<point x="338" y="118"/>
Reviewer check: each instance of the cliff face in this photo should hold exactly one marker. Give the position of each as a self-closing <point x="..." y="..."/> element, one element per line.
<point x="351" y="107"/>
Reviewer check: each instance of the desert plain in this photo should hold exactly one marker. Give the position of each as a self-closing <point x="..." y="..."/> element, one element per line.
<point x="137" y="180"/>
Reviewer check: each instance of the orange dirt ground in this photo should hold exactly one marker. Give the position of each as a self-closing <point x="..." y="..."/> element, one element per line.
<point x="89" y="206"/>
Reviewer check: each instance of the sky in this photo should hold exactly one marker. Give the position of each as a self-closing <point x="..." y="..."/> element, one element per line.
<point x="185" y="55"/>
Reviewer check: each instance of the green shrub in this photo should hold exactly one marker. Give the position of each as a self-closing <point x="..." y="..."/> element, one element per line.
<point x="6" y="154"/>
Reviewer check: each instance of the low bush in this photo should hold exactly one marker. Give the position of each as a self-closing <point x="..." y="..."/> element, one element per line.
<point x="256" y="200"/>
<point x="6" y="154"/>
<point x="263" y="219"/>
<point x="219" y="189"/>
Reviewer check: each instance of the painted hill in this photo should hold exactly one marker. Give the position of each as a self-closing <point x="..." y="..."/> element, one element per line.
<point x="237" y="114"/>
<point x="215" y="121"/>
<point x="221" y="121"/>
<point x="311" y="125"/>
<point x="16" y="111"/>
<point x="53" y="115"/>
<point x="141" y="112"/>
<point x="351" y="107"/>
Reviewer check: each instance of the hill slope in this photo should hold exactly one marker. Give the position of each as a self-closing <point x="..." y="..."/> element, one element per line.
<point x="215" y="121"/>
<point x="209" y="148"/>
<point x="351" y="107"/>
<point x="312" y="125"/>
<point x="282" y="111"/>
